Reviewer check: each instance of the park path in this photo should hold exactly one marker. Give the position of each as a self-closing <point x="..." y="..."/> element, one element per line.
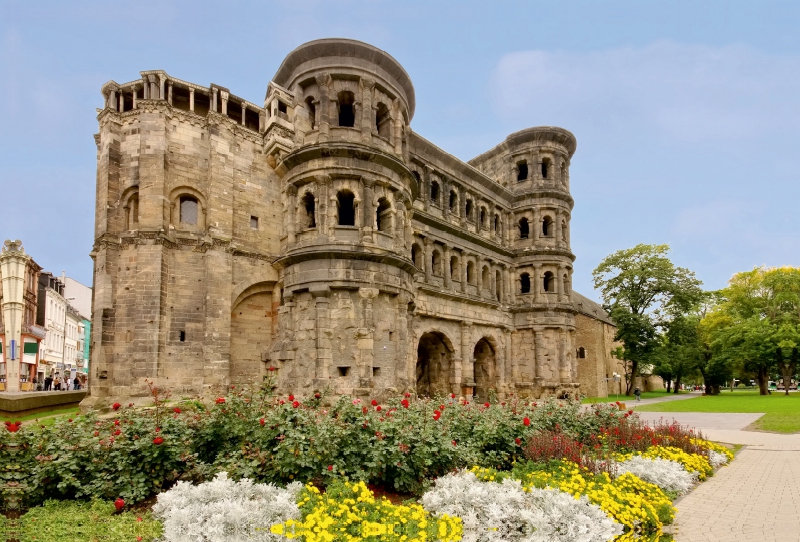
<point x="756" y="497"/>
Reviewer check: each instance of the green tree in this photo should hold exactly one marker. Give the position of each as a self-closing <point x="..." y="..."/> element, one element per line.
<point x="756" y="325"/>
<point x="643" y="290"/>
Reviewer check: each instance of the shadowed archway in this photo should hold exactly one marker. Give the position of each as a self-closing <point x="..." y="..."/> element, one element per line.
<point x="485" y="369"/>
<point x="434" y="362"/>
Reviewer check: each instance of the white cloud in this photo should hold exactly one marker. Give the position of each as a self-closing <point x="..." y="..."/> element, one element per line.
<point x="689" y="92"/>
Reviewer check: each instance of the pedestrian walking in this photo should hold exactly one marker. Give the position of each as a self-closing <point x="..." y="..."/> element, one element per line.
<point x="48" y="383"/>
<point x="76" y="384"/>
<point x="638" y="393"/>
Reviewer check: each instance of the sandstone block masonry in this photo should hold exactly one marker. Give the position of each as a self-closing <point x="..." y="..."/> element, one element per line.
<point x="320" y="240"/>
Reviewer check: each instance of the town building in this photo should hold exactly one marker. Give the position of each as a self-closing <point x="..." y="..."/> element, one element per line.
<point x="320" y="241"/>
<point x="20" y="335"/>
<point x="52" y="316"/>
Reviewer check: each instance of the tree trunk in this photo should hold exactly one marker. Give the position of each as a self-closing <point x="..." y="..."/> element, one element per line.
<point x="763" y="381"/>
<point x="630" y="384"/>
<point x="787" y="368"/>
<point x="669" y="386"/>
<point x="677" y="384"/>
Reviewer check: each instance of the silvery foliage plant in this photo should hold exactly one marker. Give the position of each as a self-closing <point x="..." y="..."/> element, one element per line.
<point x="666" y="474"/>
<point x="717" y="459"/>
<point x="500" y="512"/>
<point x="225" y="511"/>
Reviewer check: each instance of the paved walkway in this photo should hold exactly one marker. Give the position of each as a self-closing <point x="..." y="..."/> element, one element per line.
<point x="756" y="497"/>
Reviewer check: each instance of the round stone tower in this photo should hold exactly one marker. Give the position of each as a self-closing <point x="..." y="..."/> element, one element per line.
<point x="337" y="116"/>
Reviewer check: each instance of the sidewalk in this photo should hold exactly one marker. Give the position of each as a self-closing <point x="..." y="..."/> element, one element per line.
<point x="756" y="497"/>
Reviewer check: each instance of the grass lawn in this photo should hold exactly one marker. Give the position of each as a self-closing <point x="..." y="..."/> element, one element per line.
<point x="624" y="398"/>
<point x="47" y="417"/>
<point x="782" y="412"/>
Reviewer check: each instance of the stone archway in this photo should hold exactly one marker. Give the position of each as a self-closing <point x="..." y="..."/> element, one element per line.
<point x="251" y="333"/>
<point x="434" y="362"/>
<point x="484" y="370"/>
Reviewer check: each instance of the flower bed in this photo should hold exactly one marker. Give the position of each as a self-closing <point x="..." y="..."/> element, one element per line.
<point x="615" y="472"/>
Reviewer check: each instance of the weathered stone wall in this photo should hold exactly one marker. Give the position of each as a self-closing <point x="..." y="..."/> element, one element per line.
<point x="333" y="248"/>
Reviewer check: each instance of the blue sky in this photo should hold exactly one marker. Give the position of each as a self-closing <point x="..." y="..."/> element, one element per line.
<point x="687" y="114"/>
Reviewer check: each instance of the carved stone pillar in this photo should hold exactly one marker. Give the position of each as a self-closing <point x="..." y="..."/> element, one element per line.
<point x="214" y="98"/>
<point x="537" y="283"/>
<point x="162" y="95"/>
<point x="191" y="100"/>
<point x="169" y="92"/>
<point x="135" y="97"/>
<point x="367" y="111"/>
<point x="558" y="227"/>
<point x="536" y="225"/>
<point x="463" y="272"/>
<point x="244" y="112"/>
<point x="366" y="336"/>
<point x="467" y="379"/>
<point x="397" y="133"/>
<point x="538" y="351"/>
<point x="428" y="259"/>
<point x="462" y="210"/>
<point x="224" y="95"/>
<point x="564" y="368"/>
<point x="559" y="283"/>
<point x="447" y="272"/>
<point x="368" y="220"/>
<point x="323" y="81"/>
<point x="291" y="219"/>
<point x="121" y="107"/>
<point x="511" y="281"/>
<point x="426" y="188"/>
<point x="323" y="333"/>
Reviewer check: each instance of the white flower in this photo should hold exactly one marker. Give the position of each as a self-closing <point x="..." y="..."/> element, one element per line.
<point x="225" y="511"/>
<point x="717" y="459"/>
<point x="503" y="512"/>
<point x="666" y="474"/>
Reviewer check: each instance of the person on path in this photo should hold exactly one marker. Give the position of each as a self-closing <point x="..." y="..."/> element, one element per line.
<point x="48" y="383"/>
<point x="638" y="393"/>
<point x="76" y="384"/>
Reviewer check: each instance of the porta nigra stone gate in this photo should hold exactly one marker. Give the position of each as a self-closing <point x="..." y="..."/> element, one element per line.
<point x="319" y="239"/>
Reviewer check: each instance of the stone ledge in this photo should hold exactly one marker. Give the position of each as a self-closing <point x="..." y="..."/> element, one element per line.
<point x="34" y="401"/>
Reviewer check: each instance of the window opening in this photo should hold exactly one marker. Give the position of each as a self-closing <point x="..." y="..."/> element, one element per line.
<point x="453" y="200"/>
<point x="382" y="120"/>
<point x="498" y="278"/>
<point x="436" y="262"/>
<point x="434" y="191"/>
<point x="415" y="251"/>
<point x="254" y="222"/>
<point x="545" y="167"/>
<point x="468" y="209"/>
<point x="312" y="112"/>
<point x="182" y="336"/>
<point x="522" y="171"/>
<point x="382" y="215"/>
<point x="581" y="353"/>
<point x="347" y="113"/>
<point x="547" y="226"/>
<point x="496" y="223"/>
<point x="483" y="217"/>
<point x="376" y="372"/>
<point x="548" y="282"/>
<point x="524" y="230"/>
<point x="485" y="280"/>
<point x="188" y="210"/>
<point x="281" y="107"/>
<point x="344" y="371"/>
<point x="525" y="283"/>
<point x="417" y="180"/>
<point x="470" y="273"/>
<point x="347" y="211"/>
<point x="454" y="267"/>
<point x="133" y="211"/>
<point x="310" y="206"/>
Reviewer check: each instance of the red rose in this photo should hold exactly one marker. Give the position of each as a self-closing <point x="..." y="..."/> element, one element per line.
<point x="378" y="408"/>
<point x="116" y="406"/>
<point x="441" y="407"/>
<point x="119" y="504"/>
<point x="330" y="467"/>
<point x="262" y="422"/>
<point x="176" y="410"/>
<point x="407" y="394"/>
<point x="158" y="440"/>
<point x="70" y="420"/>
<point x="455" y="443"/>
<point x="317" y="396"/>
<point x="486" y="405"/>
<point x="364" y="410"/>
<point x="117" y="432"/>
<point x="282" y="402"/>
<point x="374" y="402"/>
<point x="116" y="422"/>
<point x="220" y="400"/>
<point x="291" y="397"/>
<point x="405" y="403"/>
<point x="526" y="422"/>
<point x="518" y="441"/>
<point x="96" y="433"/>
<point x="437" y="415"/>
<point x="452" y="396"/>
<point x="296" y="404"/>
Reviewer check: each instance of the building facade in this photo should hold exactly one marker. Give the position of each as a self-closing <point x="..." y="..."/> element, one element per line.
<point x="52" y="316"/>
<point x="20" y="336"/>
<point x="319" y="240"/>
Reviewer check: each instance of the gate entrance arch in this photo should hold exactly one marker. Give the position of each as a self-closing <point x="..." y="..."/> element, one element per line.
<point x="434" y="362"/>
<point x="485" y="369"/>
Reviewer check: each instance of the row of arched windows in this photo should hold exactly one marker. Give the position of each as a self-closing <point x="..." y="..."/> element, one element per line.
<point x="187" y="210"/>
<point x="548" y="282"/>
<point x="346" y="109"/>
<point x="546" y="170"/>
<point x="346" y="211"/>
<point x="548" y="228"/>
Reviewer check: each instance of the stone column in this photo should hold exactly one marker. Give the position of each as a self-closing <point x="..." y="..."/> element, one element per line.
<point x="538" y="351"/>
<point x="493" y="282"/>
<point x="537" y="283"/>
<point x="121" y="107"/>
<point x="445" y="197"/>
<point x="564" y="368"/>
<point x="462" y="208"/>
<point x="214" y="96"/>
<point x="366" y="336"/>
<point x="557" y="227"/>
<point x="467" y="380"/>
<point x="446" y="263"/>
<point x="135" y="92"/>
<point x="322" y="205"/>
<point x="291" y="219"/>
<point x="191" y="100"/>
<point x="323" y="81"/>
<point x="323" y="333"/>
<point x="504" y="362"/>
<point x="224" y="95"/>
<point x="559" y="283"/>
<point x="169" y="93"/>
<point x="428" y="259"/>
<point x="111" y="100"/>
<point x="426" y="188"/>
<point x="397" y="123"/>
<point x="368" y="113"/>
<point x="511" y="291"/>
<point x="244" y="112"/>
<point x="536" y="225"/>
<point x="161" y="87"/>
<point x="368" y="219"/>
<point x="463" y="272"/>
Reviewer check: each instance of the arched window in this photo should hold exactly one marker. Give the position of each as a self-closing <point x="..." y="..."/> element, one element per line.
<point x="548" y="282"/>
<point x="468" y="209"/>
<point x="454" y="268"/>
<point x="525" y="283"/>
<point x="416" y="251"/>
<point x="418" y="181"/>
<point x="347" y="209"/>
<point x="312" y="112"/>
<point x="347" y="109"/>
<point x="547" y="227"/>
<point x="189" y="210"/>
<point x="382" y="120"/>
<point x="522" y="171"/>
<point x="485" y="278"/>
<point x="470" y="273"/>
<point x="581" y="353"/>
<point x="524" y="231"/>
<point x="435" y="192"/>
<point x="483" y="217"/>
<point x="498" y="282"/>
<point x="497" y="223"/>
<point x="383" y="215"/>
<point x="310" y="207"/>
<point x="453" y="203"/>
<point x="132" y="212"/>
<point x="436" y="263"/>
<point x="545" y="168"/>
